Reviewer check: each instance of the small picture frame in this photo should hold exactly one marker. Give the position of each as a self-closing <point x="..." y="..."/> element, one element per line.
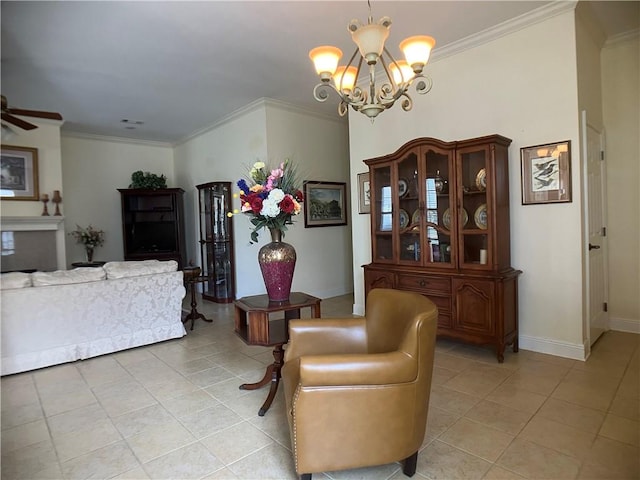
<point x="546" y="173"/>
<point x="19" y="173"/>
<point x="325" y="204"/>
<point x="364" y="193"/>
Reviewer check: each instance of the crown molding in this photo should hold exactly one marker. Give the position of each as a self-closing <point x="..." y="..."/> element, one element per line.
<point x="290" y="107"/>
<point x="622" y="37"/>
<point x="525" y="20"/>
<point x="106" y="138"/>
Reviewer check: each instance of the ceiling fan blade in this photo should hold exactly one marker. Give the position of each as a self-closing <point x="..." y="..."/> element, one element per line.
<point x="34" y="113"/>
<point x="17" y="122"/>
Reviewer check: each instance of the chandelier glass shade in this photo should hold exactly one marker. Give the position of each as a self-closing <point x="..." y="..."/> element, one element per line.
<point x="383" y="86"/>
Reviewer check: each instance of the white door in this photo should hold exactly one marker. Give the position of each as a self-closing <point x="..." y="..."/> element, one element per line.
<point x="596" y="241"/>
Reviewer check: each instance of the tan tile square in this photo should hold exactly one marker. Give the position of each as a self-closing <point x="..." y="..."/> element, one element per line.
<point x="535" y="461"/>
<point x="376" y="471"/>
<point x="499" y="473"/>
<point x="498" y="416"/>
<point x="558" y="436"/>
<point x="450" y="400"/>
<point x="105" y="462"/>
<point x="124" y="397"/>
<point x="621" y="429"/>
<point x="584" y="418"/>
<point x="205" y="422"/>
<point x="92" y="436"/>
<point x="138" y="421"/>
<point x="532" y="382"/>
<point x="616" y="457"/>
<point x="100" y="370"/>
<point x="235" y="442"/>
<point x="627" y="407"/>
<point x="18" y="393"/>
<point x="452" y="362"/>
<point x="15" y="415"/>
<point x="210" y="376"/>
<point x="478" y="380"/>
<point x="438" y="421"/>
<point x="153" y="442"/>
<point x="187" y="404"/>
<point x="270" y="462"/>
<point x="190" y="462"/>
<point x="440" y="461"/>
<point x="274" y="423"/>
<point x="75" y="419"/>
<point x="65" y="401"/>
<point x="24" y="462"/>
<point x="584" y="394"/>
<point x="442" y="375"/>
<point x="137" y="473"/>
<point x="24" y="435"/>
<point x="477" y="439"/>
<point x="517" y="399"/>
<point x="170" y="389"/>
<point x="134" y="355"/>
<point x="228" y="390"/>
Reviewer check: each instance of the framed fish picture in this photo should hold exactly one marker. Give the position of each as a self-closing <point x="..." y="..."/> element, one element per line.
<point x="546" y="173"/>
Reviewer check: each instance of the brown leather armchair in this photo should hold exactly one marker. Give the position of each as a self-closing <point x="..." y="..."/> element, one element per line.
<point x="357" y="389"/>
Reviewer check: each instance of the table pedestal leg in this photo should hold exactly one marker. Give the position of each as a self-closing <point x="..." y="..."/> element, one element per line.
<point x="194" y="314"/>
<point x="272" y="375"/>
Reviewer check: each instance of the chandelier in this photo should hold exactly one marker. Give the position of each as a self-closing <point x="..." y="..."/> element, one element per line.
<point x="394" y="80"/>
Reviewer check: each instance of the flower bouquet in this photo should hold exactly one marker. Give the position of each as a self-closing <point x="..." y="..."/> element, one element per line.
<point x="90" y="238"/>
<point x="271" y="197"/>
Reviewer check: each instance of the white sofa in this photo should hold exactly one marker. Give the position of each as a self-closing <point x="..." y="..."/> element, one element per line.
<point x="50" y="318"/>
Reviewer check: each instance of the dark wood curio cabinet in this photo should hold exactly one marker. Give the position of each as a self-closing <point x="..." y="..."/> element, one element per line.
<point x="216" y="242"/>
<point x="440" y="226"/>
<point x="153" y="224"/>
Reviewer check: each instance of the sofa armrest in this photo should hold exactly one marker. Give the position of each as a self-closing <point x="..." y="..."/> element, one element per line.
<point x="323" y="336"/>
<point x="359" y="369"/>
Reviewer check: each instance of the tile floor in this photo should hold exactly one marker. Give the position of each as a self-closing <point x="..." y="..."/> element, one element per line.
<point x="174" y="411"/>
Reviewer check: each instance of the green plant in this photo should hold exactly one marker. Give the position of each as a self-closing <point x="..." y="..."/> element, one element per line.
<point x="142" y="179"/>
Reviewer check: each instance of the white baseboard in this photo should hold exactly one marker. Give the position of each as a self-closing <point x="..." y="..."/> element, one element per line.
<point x="624" y="324"/>
<point x="574" y="351"/>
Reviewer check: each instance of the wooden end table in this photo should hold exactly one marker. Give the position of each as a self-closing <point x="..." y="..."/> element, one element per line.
<point x="191" y="278"/>
<point x="252" y="324"/>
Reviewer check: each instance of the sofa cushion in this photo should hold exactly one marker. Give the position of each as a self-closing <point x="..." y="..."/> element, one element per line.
<point x="136" y="268"/>
<point x="64" y="277"/>
<point x="15" y="280"/>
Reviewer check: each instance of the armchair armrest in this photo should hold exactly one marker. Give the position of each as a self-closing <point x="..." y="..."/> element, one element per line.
<point x="359" y="369"/>
<point x="323" y="336"/>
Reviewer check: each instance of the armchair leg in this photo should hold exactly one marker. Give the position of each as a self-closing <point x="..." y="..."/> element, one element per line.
<point x="409" y="465"/>
<point x="305" y="476"/>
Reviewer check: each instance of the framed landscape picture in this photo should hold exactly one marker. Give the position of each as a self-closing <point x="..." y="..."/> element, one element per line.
<point x="19" y="173"/>
<point x="325" y="204"/>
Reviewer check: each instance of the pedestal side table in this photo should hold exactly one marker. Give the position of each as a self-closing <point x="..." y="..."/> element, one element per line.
<point x="192" y="278"/>
<point x="252" y="324"/>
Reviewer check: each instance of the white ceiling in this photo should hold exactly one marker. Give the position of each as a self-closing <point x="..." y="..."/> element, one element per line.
<point x="182" y="66"/>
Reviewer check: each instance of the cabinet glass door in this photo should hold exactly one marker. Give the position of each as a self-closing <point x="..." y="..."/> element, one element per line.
<point x="409" y="226"/>
<point x="475" y="215"/>
<point x="216" y="240"/>
<point x="437" y="209"/>
<point x="382" y="214"/>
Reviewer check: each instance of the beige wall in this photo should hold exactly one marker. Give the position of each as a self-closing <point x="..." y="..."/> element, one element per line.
<point x="93" y="169"/>
<point x="46" y="138"/>
<point x="621" y="109"/>
<point x="270" y="131"/>
<point x="523" y="86"/>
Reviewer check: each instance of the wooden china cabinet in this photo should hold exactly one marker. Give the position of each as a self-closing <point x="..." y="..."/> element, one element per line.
<point x="440" y="226"/>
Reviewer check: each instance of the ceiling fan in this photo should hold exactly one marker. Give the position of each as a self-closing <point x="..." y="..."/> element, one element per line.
<point x="8" y="115"/>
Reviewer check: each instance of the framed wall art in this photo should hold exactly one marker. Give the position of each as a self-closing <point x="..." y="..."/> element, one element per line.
<point x="546" y="173"/>
<point x="364" y="193"/>
<point x="325" y="204"/>
<point x="19" y="173"/>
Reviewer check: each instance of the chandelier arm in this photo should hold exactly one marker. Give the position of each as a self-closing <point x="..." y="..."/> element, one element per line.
<point x="424" y="85"/>
<point x="392" y="60"/>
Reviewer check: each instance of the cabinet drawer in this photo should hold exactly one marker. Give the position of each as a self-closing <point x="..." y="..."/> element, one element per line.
<point x="425" y="283"/>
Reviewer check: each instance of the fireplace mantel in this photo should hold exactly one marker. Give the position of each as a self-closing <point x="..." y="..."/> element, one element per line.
<point x="38" y="224"/>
